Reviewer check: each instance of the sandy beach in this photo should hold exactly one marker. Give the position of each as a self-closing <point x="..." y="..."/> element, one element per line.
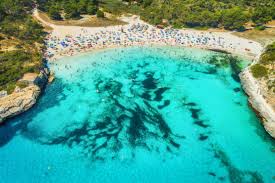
<point x="71" y="40"/>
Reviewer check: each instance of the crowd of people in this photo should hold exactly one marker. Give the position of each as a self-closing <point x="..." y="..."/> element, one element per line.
<point x="130" y="35"/>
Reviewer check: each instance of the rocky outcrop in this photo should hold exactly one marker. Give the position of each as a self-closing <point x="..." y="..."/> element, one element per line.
<point x="36" y="79"/>
<point x="3" y="94"/>
<point x="18" y="102"/>
<point x="258" y="102"/>
<point x="23" y="99"/>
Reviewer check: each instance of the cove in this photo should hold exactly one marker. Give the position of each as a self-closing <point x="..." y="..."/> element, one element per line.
<point x="139" y="114"/>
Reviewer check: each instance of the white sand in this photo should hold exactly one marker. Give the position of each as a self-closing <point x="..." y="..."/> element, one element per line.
<point x="81" y="38"/>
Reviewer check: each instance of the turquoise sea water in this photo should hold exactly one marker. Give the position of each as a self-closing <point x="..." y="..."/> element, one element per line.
<point x="151" y="114"/>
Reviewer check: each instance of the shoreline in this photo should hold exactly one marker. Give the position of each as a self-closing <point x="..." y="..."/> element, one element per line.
<point x="233" y="45"/>
<point x="22" y="99"/>
<point x="65" y="41"/>
<point x="241" y="48"/>
<point x="256" y="100"/>
<point x="87" y="51"/>
<point x="248" y="83"/>
<point x="71" y="40"/>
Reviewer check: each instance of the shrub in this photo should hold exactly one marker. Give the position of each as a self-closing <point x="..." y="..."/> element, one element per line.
<point x="268" y="57"/>
<point x="71" y="11"/>
<point x="100" y="14"/>
<point x="260" y="27"/>
<point x="234" y="19"/>
<point x="259" y="71"/>
<point x="10" y="88"/>
<point x="12" y="68"/>
<point x="22" y="84"/>
<point x="91" y="9"/>
<point x="54" y="13"/>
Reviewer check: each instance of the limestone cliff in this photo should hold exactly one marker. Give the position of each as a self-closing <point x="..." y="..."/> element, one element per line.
<point x="254" y="91"/>
<point x="23" y="99"/>
<point x="18" y="102"/>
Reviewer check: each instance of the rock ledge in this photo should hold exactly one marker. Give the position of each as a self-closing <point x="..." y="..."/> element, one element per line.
<point x="257" y="101"/>
<point x="23" y="99"/>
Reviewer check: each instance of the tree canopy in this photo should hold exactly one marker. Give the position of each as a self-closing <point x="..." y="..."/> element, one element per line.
<point x="72" y="9"/>
<point x="230" y="14"/>
<point x="20" y="32"/>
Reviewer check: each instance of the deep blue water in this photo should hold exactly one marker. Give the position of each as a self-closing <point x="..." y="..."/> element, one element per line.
<point x="151" y="114"/>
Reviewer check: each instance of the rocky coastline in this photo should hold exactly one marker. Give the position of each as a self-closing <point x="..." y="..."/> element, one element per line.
<point x="257" y="102"/>
<point x="256" y="99"/>
<point x="23" y="99"/>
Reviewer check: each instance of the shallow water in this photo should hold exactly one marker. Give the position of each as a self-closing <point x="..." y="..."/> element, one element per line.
<point x="152" y="114"/>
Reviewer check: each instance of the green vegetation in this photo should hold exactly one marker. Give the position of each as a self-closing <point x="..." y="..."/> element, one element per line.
<point x="54" y="13"/>
<point x="100" y="14"/>
<point x="13" y="66"/>
<point x="230" y="14"/>
<point x="262" y="15"/>
<point x="22" y="84"/>
<point x="23" y="39"/>
<point x="71" y="9"/>
<point x="259" y="71"/>
<point x="116" y="7"/>
<point x="234" y="18"/>
<point x="268" y="57"/>
<point x="260" y="27"/>
<point x="266" y="67"/>
<point x="24" y="28"/>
